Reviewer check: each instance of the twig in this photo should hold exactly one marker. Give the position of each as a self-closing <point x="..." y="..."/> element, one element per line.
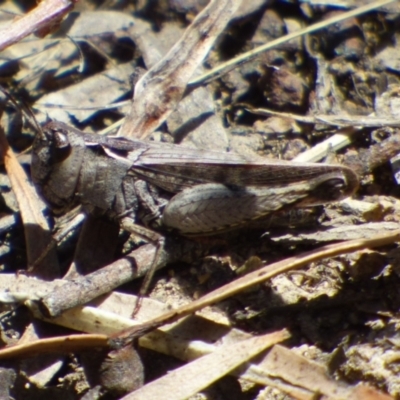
<point x="46" y="14"/>
<point x="83" y="289"/>
<point x="252" y="279"/>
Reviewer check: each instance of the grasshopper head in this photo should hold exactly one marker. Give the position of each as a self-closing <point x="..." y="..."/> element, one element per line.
<point x="50" y="147"/>
<point x="57" y="155"/>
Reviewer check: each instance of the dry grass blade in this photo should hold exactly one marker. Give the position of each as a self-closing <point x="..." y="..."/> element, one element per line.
<point x="295" y="371"/>
<point x="190" y="379"/>
<point x="162" y="87"/>
<point x="46" y="14"/>
<point x="251" y="55"/>
<point x="60" y="344"/>
<point x="37" y="231"/>
<point x="333" y="120"/>
<point x="255" y="278"/>
<point x="332" y="72"/>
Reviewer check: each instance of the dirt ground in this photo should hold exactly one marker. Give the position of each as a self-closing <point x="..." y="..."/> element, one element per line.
<point x="340" y="83"/>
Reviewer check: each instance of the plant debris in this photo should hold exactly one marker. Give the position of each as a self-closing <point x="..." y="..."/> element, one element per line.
<point x="285" y="80"/>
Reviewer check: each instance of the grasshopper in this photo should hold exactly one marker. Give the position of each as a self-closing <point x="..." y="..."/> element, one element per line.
<point x="170" y="187"/>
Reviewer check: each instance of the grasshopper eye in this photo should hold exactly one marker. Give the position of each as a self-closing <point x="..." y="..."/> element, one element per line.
<point x="61" y="146"/>
<point x="60" y="140"/>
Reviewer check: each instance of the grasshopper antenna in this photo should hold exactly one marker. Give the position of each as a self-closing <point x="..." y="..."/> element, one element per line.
<point x="24" y="108"/>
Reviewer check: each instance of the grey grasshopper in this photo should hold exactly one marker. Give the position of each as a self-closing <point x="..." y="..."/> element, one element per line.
<point x="171" y="187"/>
